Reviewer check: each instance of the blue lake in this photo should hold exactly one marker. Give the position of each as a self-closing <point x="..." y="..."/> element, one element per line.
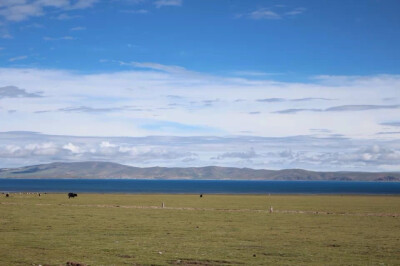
<point x="197" y="186"/>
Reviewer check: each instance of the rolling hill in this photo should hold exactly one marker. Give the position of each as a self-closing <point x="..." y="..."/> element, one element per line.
<point x="107" y="170"/>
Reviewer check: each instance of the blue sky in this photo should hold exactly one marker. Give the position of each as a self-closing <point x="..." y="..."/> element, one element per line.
<point x="294" y="39"/>
<point x="309" y="70"/>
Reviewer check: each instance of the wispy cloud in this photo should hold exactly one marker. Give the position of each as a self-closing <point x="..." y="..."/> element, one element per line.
<point x="389" y="133"/>
<point x="82" y="4"/>
<point x="155" y="66"/>
<point x="15" y="92"/>
<point x="392" y="124"/>
<point x="209" y="100"/>
<point x="135" y="11"/>
<point x="389" y="99"/>
<point x="364" y="107"/>
<point x="255" y="73"/>
<point x="174" y="127"/>
<point x="86" y="109"/>
<point x="65" y="38"/>
<point x="264" y="13"/>
<point x="332" y="80"/>
<point x="18" y="58"/>
<point x="79" y="28"/>
<point x="342" y="108"/>
<point x="162" y="3"/>
<point x="95" y="110"/>
<point x="296" y="11"/>
<point x="20" y="10"/>
<point x="6" y="35"/>
<point x="65" y="16"/>
<point x="320" y="130"/>
<point x="273" y="13"/>
<point x="273" y="100"/>
<point x="33" y="26"/>
<point x="311" y="99"/>
<point x="297" y="110"/>
<point x="241" y="155"/>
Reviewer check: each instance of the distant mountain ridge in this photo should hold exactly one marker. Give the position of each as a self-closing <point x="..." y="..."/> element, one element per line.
<point x="107" y="170"/>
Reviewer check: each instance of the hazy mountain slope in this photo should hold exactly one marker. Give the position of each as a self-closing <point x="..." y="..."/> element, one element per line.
<point x="102" y="170"/>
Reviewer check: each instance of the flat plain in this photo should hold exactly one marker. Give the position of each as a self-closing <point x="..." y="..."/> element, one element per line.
<point x="133" y="229"/>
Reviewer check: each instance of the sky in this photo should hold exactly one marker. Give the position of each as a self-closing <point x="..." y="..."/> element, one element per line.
<point x="262" y="84"/>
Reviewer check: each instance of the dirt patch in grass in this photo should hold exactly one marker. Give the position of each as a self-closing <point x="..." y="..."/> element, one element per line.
<point x="126" y="256"/>
<point x="279" y="254"/>
<point x="394" y="215"/>
<point x="202" y="262"/>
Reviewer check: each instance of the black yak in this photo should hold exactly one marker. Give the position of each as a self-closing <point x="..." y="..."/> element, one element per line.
<point x="72" y="195"/>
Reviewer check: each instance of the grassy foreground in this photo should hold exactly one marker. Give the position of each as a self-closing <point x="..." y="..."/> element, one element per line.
<point x="114" y="229"/>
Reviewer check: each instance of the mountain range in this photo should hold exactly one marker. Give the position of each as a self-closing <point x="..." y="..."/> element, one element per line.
<point x="108" y="170"/>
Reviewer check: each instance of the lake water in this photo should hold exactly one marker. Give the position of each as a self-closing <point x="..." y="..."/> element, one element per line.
<point x="197" y="186"/>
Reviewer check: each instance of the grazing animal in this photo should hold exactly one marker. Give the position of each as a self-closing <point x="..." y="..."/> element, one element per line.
<point x="7" y="195"/>
<point x="201" y="195"/>
<point x="72" y="195"/>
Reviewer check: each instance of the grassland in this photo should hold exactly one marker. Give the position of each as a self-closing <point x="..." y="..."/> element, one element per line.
<point x="214" y="230"/>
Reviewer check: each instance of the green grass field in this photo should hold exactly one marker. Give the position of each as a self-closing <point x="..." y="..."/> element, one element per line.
<point x="115" y="229"/>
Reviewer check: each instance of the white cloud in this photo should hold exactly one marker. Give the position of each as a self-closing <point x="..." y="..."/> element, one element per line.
<point x="161" y="3"/>
<point x="4" y="3"/>
<point x="15" y="92"/>
<point x="18" y="58"/>
<point x="79" y="28"/>
<point x="72" y="148"/>
<point x="44" y="149"/>
<point x="20" y="10"/>
<point x="155" y="66"/>
<point x="82" y="4"/>
<point x="65" y="16"/>
<point x="32" y="26"/>
<point x="275" y="13"/>
<point x="296" y="11"/>
<point x="32" y="149"/>
<point x="136" y="11"/>
<point x="66" y="38"/>
<point x="313" y="153"/>
<point x="264" y="14"/>
<point x="6" y="36"/>
<point x="254" y="73"/>
<point x="341" y="108"/>
<point x="134" y="102"/>
<point x="106" y="144"/>
<point x="239" y="154"/>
